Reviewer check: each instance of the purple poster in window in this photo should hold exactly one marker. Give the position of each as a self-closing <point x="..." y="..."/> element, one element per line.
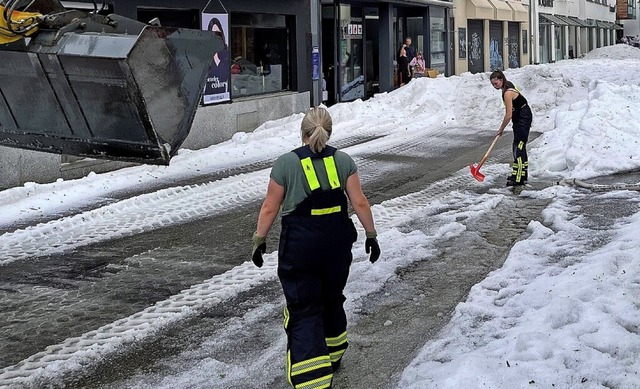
<point x="217" y="88"/>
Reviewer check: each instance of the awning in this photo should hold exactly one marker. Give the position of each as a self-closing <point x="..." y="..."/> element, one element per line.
<point x="480" y="9"/>
<point x="601" y="24"/>
<point x="582" y="23"/>
<point x="569" y="21"/>
<point x="502" y="10"/>
<point x="552" y="19"/>
<point x="613" y="26"/>
<point x="520" y="13"/>
<point x="440" y="3"/>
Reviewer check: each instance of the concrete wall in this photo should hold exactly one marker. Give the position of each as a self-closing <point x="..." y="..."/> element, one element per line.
<point x="217" y="123"/>
<point x="211" y="125"/>
<point x="631" y="27"/>
<point x="19" y="166"/>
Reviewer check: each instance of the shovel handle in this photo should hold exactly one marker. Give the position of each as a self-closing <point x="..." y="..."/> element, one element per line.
<point x="486" y="155"/>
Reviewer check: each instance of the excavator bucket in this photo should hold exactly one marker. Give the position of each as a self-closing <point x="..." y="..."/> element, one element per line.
<point x="103" y="87"/>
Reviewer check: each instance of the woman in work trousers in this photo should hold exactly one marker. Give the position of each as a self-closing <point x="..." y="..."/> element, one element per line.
<point x="307" y="185"/>
<point x="516" y="110"/>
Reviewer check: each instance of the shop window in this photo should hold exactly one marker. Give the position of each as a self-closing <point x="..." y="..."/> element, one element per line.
<point x="415" y="30"/>
<point x="437" y="46"/>
<point x="260" y="54"/>
<point x="171" y="17"/>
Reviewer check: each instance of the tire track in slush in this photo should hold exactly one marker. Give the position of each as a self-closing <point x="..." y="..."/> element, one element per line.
<point x="147" y="212"/>
<point x="179" y="198"/>
<point x="79" y="353"/>
<point x="135" y="215"/>
<point x="188" y="178"/>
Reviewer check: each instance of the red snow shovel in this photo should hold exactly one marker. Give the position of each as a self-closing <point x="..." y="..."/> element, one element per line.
<point x="475" y="170"/>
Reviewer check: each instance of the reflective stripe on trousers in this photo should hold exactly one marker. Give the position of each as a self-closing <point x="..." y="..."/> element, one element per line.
<point x="521" y="125"/>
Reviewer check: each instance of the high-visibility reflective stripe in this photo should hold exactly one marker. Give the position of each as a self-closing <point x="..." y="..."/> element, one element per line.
<point x="312" y="178"/>
<point x="318" y="383"/>
<point x="337" y="355"/>
<point x="332" y="172"/>
<point x="325" y="211"/>
<point x="338" y="340"/>
<point x="310" y="173"/>
<point x="310" y="364"/>
<point x="518" y="169"/>
<point x="288" y="367"/>
<point x="520" y="145"/>
<point x="285" y="324"/>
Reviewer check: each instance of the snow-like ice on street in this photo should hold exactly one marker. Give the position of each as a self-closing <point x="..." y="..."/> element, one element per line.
<point x="563" y="309"/>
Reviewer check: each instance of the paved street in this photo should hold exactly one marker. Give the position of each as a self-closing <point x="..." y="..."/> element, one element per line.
<point x="154" y="281"/>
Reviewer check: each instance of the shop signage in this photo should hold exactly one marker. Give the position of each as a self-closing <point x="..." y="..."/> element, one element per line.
<point x="315" y="60"/>
<point x="217" y="87"/>
<point x="351" y="29"/>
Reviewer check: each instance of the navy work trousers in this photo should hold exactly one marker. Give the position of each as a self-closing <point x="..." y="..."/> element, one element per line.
<point x="313" y="266"/>
<point x="522" y="119"/>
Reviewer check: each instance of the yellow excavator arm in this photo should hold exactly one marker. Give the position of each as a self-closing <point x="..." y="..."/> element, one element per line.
<point x="17" y="25"/>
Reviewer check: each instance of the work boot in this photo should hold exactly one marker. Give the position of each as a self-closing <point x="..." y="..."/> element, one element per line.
<point x="511" y="181"/>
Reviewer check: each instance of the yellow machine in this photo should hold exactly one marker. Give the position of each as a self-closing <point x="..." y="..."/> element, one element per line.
<point x="100" y="86"/>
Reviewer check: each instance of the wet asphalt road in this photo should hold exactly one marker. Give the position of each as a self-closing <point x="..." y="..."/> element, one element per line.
<point x="391" y="326"/>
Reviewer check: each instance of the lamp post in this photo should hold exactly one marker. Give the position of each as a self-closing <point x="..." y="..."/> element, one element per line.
<point x="530" y="43"/>
<point x="316" y="61"/>
<point x="534" y="56"/>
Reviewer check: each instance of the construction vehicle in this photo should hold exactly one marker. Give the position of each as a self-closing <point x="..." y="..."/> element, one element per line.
<point x="100" y="86"/>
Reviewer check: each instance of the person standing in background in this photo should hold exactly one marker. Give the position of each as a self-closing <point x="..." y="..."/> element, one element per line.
<point x="418" y="65"/>
<point x="404" y="73"/>
<point x="411" y="53"/>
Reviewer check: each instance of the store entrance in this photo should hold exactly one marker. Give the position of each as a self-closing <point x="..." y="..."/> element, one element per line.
<point x="372" y="51"/>
<point x="351" y="63"/>
<point x="343" y="57"/>
<point x="329" y="62"/>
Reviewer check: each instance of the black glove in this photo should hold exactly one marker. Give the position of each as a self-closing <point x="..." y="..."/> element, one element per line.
<point x="259" y="248"/>
<point x="371" y="244"/>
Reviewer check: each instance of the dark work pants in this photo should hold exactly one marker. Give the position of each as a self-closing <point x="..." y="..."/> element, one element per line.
<point x="313" y="266"/>
<point x="522" y="119"/>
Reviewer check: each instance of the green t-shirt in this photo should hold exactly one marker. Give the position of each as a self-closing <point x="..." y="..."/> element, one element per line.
<point x="287" y="171"/>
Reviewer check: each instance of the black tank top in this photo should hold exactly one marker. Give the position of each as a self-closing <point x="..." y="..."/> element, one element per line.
<point x="520" y="101"/>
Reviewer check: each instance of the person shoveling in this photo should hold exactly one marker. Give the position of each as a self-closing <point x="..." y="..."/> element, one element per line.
<point x="518" y="112"/>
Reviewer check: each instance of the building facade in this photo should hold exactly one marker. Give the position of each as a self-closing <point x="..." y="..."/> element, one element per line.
<point x="361" y="41"/>
<point x="281" y="57"/>
<point x="570" y="29"/>
<point x="490" y="35"/>
<point x="627" y="15"/>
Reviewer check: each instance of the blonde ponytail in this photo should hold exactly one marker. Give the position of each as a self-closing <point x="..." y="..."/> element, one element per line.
<point x="316" y="127"/>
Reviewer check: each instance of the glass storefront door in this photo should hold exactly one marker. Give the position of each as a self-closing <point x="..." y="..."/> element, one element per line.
<point x="559" y="42"/>
<point x="351" y="53"/>
<point x="438" y="46"/>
